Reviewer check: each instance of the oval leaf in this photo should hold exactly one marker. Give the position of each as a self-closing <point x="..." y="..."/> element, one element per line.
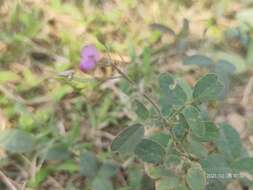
<point x="150" y="151"/>
<point x="181" y="127"/>
<point x="196" y="148"/>
<point x="88" y="164"/>
<point x="108" y="169"/>
<point x="161" y="138"/>
<point x="215" y="164"/>
<point x="173" y="94"/>
<point x="229" y="142"/>
<point x="196" y="178"/>
<point x="141" y="110"/>
<point x="166" y="183"/>
<point x="127" y="140"/>
<point x="101" y="183"/>
<point x="200" y="60"/>
<point x="244" y="164"/>
<point x="194" y="120"/>
<point x="208" y="88"/>
<point x="16" y="141"/>
<point x="211" y="132"/>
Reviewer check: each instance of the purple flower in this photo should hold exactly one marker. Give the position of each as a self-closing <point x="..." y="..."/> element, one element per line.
<point x="89" y="58"/>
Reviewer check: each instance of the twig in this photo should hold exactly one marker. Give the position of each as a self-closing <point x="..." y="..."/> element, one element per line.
<point x="55" y="182"/>
<point x="7" y="181"/>
<point x="8" y="93"/>
<point x="128" y="162"/>
<point x="247" y="91"/>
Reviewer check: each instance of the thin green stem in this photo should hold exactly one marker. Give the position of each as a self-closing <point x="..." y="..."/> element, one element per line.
<point x="146" y="96"/>
<point x="166" y="122"/>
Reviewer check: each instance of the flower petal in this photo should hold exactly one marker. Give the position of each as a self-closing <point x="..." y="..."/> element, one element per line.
<point x="90" y="51"/>
<point x="87" y="64"/>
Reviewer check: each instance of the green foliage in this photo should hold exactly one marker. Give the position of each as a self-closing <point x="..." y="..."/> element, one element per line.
<point x="193" y="119"/>
<point x="53" y="128"/>
<point x="58" y="152"/>
<point x="100" y="183"/>
<point x="108" y="169"/>
<point x="244" y="164"/>
<point x="185" y="132"/>
<point x="167" y="183"/>
<point x="141" y="110"/>
<point x="150" y="151"/>
<point x="16" y="141"/>
<point x="207" y="88"/>
<point x="172" y="94"/>
<point x="196" y="178"/>
<point x="88" y="164"/>
<point x="200" y="60"/>
<point x="215" y="164"/>
<point x="161" y="138"/>
<point x="229" y="142"/>
<point x="128" y="139"/>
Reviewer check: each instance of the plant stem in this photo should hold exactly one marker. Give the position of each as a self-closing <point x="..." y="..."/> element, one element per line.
<point x="177" y="144"/>
<point x="7" y="181"/>
<point x="146" y="96"/>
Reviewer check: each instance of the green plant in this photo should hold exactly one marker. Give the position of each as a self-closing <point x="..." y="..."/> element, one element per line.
<point x="187" y="150"/>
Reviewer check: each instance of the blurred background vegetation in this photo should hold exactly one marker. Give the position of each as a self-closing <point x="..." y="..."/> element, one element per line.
<point x="51" y="121"/>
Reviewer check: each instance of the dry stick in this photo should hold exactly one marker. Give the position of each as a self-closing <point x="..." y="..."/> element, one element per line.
<point x="7" y="181"/>
<point x="247" y="91"/>
<point x="55" y="182"/>
<point x="14" y="97"/>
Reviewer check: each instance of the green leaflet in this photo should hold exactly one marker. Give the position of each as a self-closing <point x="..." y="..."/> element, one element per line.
<point x="150" y="151"/>
<point x="244" y="164"/>
<point x="126" y="141"/>
<point x="161" y="138"/>
<point x="215" y="184"/>
<point x="141" y="110"/>
<point x="215" y="164"/>
<point x="196" y="178"/>
<point x="181" y="127"/>
<point x="196" y="148"/>
<point x="101" y="183"/>
<point x="198" y="59"/>
<point x="211" y="132"/>
<point x="172" y="94"/>
<point x="88" y="165"/>
<point x="207" y="88"/>
<point x="166" y="183"/>
<point x="194" y="120"/>
<point x="229" y="142"/>
<point x="16" y="141"/>
<point x="108" y="169"/>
